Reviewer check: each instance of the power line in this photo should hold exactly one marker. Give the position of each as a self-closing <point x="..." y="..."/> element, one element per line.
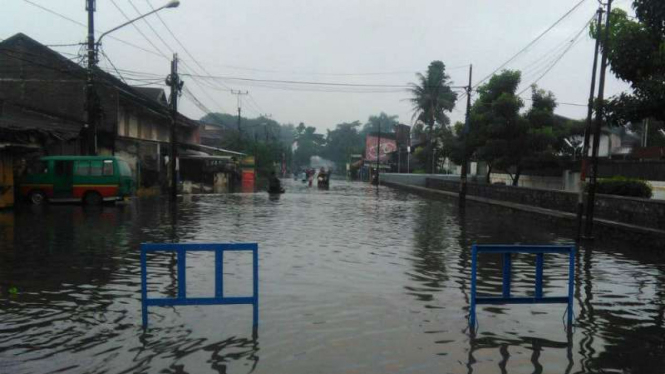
<point x="181" y="44"/>
<point x="162" y="53"/>
<point x="152" y="28"/>
<point x="112" y="65"/>
<point x="334" y="84"/>
<point x="251" y="98"/>
<point x="85" y="26"/>
<point x="63" y="45"/>
<point x="138" y="29"/>
<point x="534" y="41"/>
<point x="556" y="61"/>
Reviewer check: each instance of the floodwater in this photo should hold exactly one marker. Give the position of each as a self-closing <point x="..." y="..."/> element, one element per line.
<point x="352" y="280"/>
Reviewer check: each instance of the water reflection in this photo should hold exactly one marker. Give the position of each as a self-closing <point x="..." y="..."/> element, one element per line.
<point x="353" y="279"/>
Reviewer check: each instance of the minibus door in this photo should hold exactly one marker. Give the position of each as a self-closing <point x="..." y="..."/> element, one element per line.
<point x="62" y="181"/>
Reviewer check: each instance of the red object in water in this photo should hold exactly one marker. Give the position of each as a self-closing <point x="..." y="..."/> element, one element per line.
<point x="248" y="179"/>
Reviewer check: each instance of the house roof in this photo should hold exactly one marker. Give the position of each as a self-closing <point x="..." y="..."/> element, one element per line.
<point x="148" y="97"/>
<point x="155" y="94"/>
<point x="20" y="120"/>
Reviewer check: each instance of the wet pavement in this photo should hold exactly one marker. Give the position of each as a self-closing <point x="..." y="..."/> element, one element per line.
<point x="352" y="280"/>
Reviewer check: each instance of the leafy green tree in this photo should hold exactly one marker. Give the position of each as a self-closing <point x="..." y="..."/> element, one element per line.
<point x="262" y="137"/>
<point x="540" y="136"/>
<point x="432" y="97"/>
<point x="498" y="133"/>
<point x="342" y="142"/>
<point x="309" y="144"/>
<point x="636" y="54"/>
<point x="386" y="121"/>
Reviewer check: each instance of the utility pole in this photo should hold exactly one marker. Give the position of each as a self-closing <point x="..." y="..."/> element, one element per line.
<point x="587" y="131"/>
<point x="173" y="81"/>
<point x="465" y="160"/>
<point x="588" y="232"/>
<point x="378" y="155"/>
<point x="89" y="133"/>
<point x="238" y="96"/>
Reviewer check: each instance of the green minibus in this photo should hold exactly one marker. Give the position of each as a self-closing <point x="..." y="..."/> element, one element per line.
<point x="91" y="180"/>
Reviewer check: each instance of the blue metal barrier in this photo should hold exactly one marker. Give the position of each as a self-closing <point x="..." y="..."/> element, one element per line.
<point x="182" y="299"/>
<point x="506" y="297"/>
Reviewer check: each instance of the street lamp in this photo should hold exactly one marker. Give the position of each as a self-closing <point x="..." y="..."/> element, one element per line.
<point x="93" y="47"/>
<point x="170" y="4"/>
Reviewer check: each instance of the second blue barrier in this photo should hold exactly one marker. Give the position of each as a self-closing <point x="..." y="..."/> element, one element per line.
<point x="506" y="296"/>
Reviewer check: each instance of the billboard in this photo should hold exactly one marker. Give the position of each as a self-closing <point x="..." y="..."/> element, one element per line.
<point x="387" y="146"/>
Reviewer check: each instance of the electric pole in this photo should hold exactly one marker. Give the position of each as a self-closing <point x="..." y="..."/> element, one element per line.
<point x="89" y="133"/>
<point x="588" y="232"/>
<point x="173" y="81"/>
<point x="587" y="131"/>
<point x="465" y="132"/>
<point x="238" y="95"/>
<point x="378" y="155"/>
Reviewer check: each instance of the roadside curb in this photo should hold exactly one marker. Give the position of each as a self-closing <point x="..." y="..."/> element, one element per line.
<point x="651" y="235"/>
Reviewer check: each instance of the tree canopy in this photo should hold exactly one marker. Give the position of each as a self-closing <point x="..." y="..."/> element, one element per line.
<point x="432" y="97"/>
<point x="636" y="54"/>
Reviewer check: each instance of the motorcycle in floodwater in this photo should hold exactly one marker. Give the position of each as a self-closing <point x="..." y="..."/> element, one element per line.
<point x="323" y="181"/>
<point x="274" y="185"/>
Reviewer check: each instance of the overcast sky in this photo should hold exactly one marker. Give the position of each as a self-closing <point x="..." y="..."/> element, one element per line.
<point x="377" y="42"/>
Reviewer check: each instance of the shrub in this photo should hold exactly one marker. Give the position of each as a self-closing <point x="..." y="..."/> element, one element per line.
<point x="623" y="186"/>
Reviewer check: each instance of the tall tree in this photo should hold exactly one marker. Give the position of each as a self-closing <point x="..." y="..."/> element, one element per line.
<point x="432" y="97"/>
<point x="342" y="142"/>
<point x="309" y="144"/>
<point x="636" y="54"/>
<point x="387" y="123"/>
<point x="498" y="133"/>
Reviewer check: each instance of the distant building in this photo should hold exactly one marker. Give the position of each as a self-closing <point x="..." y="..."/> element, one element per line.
<point x="42" y="109"/>
<point x="615" y="142"/>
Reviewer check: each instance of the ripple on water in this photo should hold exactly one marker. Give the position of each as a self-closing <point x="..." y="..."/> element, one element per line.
<point x="353" y="279"/>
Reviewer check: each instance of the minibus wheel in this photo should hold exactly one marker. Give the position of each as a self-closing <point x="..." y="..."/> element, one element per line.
<point x="92" y="198"/>
<point x="37" y="197"/>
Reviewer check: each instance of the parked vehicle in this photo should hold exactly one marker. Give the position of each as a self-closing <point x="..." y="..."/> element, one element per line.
<point x="87" y="179"/>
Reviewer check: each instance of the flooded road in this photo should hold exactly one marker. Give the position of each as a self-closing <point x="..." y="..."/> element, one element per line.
<point x="352" y="280"/>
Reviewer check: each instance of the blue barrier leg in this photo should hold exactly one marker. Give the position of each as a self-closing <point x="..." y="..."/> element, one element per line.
<point x="255" y="281"/>
<point x="539" y="275"/>
<point x="507" y="269"/>
<point x="182" y="275"/>
<point x="219" y="274"/>
<point x="144" y="289"/>
<point x="571" y="281"/>
<point x="472" y="307"/>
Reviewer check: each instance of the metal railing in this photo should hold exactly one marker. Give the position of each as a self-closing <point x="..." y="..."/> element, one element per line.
<point x="506" y="296"/>
<point x="181" y="298"/>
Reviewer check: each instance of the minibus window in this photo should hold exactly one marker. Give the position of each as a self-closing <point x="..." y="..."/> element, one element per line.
<point x="96" y="168"/>
<point x="82" y="168"/>
<point x="108" y="167"/>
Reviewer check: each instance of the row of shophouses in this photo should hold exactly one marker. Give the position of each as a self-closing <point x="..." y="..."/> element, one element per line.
<point x="42" y="112"/>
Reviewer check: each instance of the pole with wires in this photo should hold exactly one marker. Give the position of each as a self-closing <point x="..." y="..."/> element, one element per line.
<point x="588" y="230"/>
<point x="465" y="132"/>
<point x="89" y="132"/>
<point x="239" y="94"/>
<point x="378" y="155"/>
<point x="173" y="81"/>
<point x="587" y="132"/>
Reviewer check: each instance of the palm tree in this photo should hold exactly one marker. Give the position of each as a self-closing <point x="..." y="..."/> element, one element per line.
<point x="432" y="98"/>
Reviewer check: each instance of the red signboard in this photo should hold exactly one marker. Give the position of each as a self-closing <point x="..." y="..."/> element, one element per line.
<point x="387" y="146"/>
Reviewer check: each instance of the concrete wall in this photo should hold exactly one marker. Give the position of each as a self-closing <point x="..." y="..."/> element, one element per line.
<point x="635" y="211"/>
<point x="417" y="179"/>
<point x="531" y="181"/>
<point x="658" y="190"/>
